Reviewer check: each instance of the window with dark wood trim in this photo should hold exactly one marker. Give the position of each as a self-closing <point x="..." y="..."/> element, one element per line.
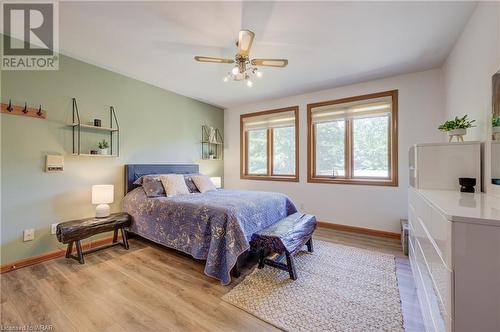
<point x="269" y="148"/>
<point x="354" y="140"/>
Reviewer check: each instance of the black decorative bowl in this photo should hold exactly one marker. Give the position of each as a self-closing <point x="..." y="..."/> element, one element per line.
<point x="467" y="184"/>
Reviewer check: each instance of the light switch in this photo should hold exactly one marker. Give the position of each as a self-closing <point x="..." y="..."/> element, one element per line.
<point x="28" y="234"/>
<point x="53" y="229"/>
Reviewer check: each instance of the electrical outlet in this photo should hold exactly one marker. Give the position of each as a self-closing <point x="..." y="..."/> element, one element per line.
<point x="28" y="234"/>
<point x="53" y="229"/>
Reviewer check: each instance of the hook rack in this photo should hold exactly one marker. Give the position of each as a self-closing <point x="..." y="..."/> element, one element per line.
<point x="9" y="107"/>
<point x="23" y="110"/>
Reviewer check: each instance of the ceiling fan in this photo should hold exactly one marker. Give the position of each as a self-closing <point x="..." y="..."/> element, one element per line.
<point x="245" y="67"/>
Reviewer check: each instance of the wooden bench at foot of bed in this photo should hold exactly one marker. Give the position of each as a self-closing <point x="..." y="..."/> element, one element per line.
<point x="286" y="237"/>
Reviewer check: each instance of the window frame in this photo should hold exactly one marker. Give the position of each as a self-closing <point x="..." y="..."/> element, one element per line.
<point x="392" y="180"/>
<point x="269" y="176"/>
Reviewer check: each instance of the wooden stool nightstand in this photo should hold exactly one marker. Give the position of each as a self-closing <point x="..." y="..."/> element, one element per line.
<point x="74" y="231"/>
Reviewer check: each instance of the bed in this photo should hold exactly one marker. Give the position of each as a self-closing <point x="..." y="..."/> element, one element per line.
<point x="215" y="226"/>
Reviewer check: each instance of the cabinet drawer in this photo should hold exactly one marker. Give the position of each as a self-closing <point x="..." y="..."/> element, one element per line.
<point x="422" y="209"/>
<point x="440" y="232"/>
<point x="442" y="278"/>
<point x="434" y="318"/>
<point x="439" y="273"/>
<point x="422" y="298"/>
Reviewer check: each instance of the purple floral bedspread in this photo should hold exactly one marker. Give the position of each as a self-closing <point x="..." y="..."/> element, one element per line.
<point x="215" y="226"/>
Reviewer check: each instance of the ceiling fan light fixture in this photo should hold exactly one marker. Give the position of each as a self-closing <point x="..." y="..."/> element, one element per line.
<point x="244" y="68"/>
<point x="245" y="40"/>
<point x="271" y="63"/>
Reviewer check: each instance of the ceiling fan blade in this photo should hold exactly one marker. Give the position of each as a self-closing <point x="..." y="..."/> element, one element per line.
<point x="270" y="62"/>
<point x="245" y="40"/>
<point x="212" y="59"/>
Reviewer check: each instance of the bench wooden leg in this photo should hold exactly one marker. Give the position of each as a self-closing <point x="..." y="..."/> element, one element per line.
<point x="309" y="245"/>
<point x="124" y="237"/>
<point x="69" y="249"/>
<point x="291" y="266"/>
<point x="115" y="235"/>
<point x="262" y="256"/>
<point x="79" y="252"/>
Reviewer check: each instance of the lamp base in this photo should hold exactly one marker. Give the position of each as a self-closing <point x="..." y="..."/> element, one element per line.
<point x="102" y="211"/>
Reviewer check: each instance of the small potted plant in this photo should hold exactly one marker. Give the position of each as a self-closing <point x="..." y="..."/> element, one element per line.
<point x="458" y="126"/>
<point x="103" y="147"/>
<point x="495" y="122"/>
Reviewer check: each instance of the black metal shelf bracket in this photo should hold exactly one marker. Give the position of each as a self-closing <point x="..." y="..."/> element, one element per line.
<point x="77" y="127"/>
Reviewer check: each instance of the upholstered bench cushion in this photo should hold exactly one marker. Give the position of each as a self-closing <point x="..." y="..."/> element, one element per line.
<point x="287" y="235"/>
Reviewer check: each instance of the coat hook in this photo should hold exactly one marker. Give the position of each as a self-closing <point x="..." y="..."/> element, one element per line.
<point x="25" y="109"/>
<point x="39" y="113"/>
<point x="9" y="108"/>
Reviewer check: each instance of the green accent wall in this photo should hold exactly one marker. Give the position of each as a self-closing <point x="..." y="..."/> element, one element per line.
<point x="156" y="126"/>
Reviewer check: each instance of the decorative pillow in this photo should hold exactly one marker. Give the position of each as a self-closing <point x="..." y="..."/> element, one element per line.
<point x="140" y="180"/>
<point x="174" y="184"/>
<point x="203" y="183"/>
<point x="153" y="186"/>
<point x="156" y="177"/>
<point x="190" y="184"/>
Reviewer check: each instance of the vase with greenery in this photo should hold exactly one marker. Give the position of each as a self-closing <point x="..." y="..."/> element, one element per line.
<point x="495" y="123"/>
<point x="457" y="126"/>
<point x="103" y="147"/>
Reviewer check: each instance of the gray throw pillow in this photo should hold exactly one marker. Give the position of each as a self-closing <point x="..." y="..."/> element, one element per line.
<point x="156" y="177"/>
<point x="153" y="187"/>
<point x="190" y="184"/>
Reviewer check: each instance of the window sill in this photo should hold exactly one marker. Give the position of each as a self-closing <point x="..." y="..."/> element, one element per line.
<point x="270" y="178"/>
<point x="363" y="182"/>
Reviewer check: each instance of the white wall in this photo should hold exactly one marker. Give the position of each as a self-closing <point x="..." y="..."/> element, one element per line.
<point x="468" y="74"/>
<point x="421" y="109"/>
<point x="470" y="66"/>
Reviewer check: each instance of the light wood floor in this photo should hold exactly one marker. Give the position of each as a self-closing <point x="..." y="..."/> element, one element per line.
<point x="152" y="288"/>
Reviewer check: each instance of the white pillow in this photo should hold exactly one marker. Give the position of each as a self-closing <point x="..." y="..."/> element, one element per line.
<point x="174" y="184"/>
<point x="203" y="183"/>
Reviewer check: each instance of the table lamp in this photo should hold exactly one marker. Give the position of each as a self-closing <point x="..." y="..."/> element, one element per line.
<point x="217" y="181"/>
<point x="102" y="194"/>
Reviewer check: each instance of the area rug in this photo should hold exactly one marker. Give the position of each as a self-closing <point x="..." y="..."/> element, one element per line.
<point x="339" y="288"/>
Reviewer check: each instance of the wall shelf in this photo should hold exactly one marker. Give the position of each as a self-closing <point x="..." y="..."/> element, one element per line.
<point x="212" y="143"/>
<point x="84" y="126"/>
<point x="78" y="127"/>
<point x="94" y="155"/>
<point x="207" y="142"/>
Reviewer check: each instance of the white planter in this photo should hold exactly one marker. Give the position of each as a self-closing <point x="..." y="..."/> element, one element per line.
<point x="496" y="130"/>
<point x="456" y="132"/>
<point x="102" y="151"/>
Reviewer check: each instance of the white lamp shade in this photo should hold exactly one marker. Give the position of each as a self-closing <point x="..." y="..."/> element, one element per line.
<point x="102" y="194"/>
<point x="217" y="181"/>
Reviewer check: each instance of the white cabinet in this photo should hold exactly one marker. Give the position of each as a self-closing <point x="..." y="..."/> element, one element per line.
<point x="439" y="165"/>
<point x="455" y="259"/>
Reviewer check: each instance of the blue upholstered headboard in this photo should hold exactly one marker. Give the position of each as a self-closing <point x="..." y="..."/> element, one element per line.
<point x="135" y="171"/>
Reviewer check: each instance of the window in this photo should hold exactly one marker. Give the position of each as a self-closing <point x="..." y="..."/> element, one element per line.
<point x="269" y="149"/>
<point x="354" y="140"/>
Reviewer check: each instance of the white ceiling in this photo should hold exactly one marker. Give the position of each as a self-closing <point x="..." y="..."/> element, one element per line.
<point x="328" y="44"/>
